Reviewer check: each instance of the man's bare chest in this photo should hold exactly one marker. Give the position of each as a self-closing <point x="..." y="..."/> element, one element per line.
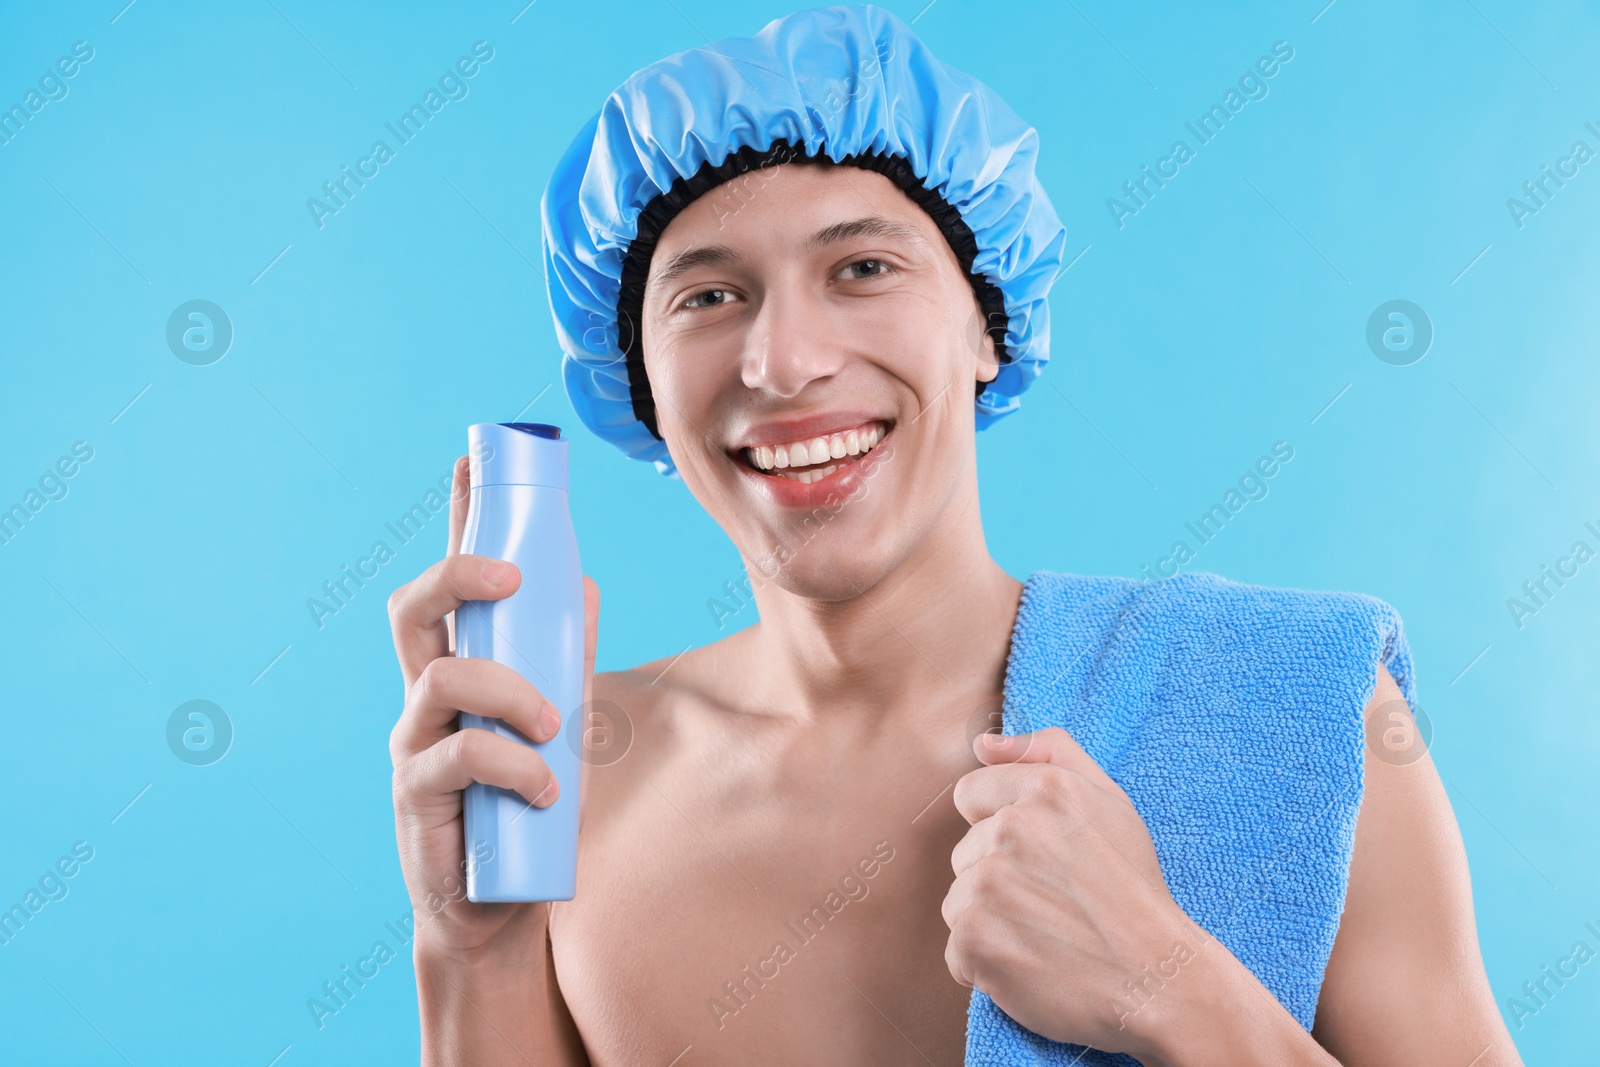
<point x="775" y="931"/>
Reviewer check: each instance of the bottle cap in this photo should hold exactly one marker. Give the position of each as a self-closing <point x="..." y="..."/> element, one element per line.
<point x="517" y="453"/>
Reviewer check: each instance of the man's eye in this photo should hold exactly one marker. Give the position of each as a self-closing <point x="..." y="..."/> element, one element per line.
<point x="878" y="263"/>
<point x="691" y="302"/>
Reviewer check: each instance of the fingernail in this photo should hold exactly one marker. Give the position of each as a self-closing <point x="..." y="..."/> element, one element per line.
<point x="497" y="574"/>
<point x="996" y="740"/>
<point x="548" y="797"/>
<point x="550" y="719"/>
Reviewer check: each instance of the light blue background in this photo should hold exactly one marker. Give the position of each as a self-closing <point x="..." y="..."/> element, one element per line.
<point x="1224" y="316"/>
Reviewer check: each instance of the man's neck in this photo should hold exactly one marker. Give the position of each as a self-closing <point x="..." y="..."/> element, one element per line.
<point x="935" y="629"/>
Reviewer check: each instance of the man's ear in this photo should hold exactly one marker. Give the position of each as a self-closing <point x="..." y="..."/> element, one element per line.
<point x="988" y="363"/>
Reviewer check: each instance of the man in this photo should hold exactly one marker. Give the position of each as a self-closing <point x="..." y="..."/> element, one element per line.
<point x="814" y="851"/>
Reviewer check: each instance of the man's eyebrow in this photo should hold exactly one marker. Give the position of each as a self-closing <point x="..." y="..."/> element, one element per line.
<point x="866" y="226"/>
<point x="689" y="259"/>
<point x="722" y="255"/>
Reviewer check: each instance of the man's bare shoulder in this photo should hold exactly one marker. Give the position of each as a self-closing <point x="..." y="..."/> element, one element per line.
<point x="660" y="706"/>
<point x="707" y="673"/>
<point x="1405" y="982"/>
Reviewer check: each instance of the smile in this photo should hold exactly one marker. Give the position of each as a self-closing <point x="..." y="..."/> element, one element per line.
<point x="816" y="458"/>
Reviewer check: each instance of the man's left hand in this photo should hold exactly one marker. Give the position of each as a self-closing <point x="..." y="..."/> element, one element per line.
<point x="1059" y="911"/>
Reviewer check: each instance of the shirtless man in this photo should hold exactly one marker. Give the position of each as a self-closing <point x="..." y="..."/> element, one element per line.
<point x="815" y="750"/>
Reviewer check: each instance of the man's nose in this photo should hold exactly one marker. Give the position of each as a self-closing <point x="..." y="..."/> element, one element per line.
<point x="792" y="342"/>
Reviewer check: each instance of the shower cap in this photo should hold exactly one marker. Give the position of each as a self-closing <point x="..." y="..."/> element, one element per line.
<point x="851" y="83"/>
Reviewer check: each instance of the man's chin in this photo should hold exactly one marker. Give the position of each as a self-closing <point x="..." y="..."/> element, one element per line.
<point x="829" y="575"/>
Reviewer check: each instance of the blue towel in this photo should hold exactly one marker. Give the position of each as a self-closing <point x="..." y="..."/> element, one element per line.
<point x="1233" y="717"/>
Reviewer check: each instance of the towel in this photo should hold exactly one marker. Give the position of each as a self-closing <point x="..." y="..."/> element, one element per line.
<point x="1233" y="717"/>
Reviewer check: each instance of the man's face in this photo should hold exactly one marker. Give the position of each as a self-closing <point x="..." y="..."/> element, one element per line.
<point x="798" y="302"/>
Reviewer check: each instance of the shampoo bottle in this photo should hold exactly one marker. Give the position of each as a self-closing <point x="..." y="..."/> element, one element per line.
<point x="518" y="511"/>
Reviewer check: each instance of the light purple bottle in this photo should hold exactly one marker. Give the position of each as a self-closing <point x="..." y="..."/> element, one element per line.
<point x="518" y="511"/>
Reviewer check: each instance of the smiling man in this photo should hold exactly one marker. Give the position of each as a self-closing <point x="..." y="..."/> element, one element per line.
<point x="798" y="271"/>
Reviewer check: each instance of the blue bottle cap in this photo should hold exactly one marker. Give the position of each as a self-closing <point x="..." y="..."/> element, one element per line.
<point x="517" y="453"/>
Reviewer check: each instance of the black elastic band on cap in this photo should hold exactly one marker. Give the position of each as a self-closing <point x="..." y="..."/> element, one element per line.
<point x="664" y="207"/>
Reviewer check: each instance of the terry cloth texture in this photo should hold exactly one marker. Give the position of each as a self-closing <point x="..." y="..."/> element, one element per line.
<point x="853" y="85"/>
<point x="1233" y="717"/>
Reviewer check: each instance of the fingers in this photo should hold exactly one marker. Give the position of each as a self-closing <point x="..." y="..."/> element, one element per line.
<point x="479" y="686"/>
<point x="956" y="899"/>
<point x="472" y="755"/>
<point x="1050" y="745"/>
<point x="987" y="790"/>
<point x="417" y="609"/>
<point x="1019" y="807"/>
<point x="591" y="626"/>
<point x="978" y="843"/>
<point x="460" y="485"/>
<point x="981" y="793"/>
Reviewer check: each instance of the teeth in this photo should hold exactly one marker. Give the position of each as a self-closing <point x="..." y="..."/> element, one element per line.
<point x="807" y="477"/>
<point x="854" y="442"/>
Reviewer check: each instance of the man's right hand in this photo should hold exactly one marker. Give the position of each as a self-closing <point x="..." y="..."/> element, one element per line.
<point x="434" y="760"/>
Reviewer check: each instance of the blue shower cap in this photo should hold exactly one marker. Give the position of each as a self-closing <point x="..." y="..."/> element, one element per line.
<point x="853" y="84"/>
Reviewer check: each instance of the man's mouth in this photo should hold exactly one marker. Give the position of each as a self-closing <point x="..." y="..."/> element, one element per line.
<point x="815" y="458"/>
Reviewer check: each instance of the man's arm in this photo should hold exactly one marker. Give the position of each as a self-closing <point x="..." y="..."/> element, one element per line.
<point x="497" y="1010"/>
<point x="1405" y="983"/>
